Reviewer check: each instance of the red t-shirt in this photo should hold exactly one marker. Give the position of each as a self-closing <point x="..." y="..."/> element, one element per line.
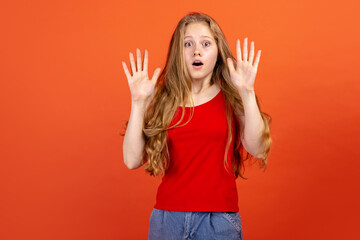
<point x="196" y="179"/>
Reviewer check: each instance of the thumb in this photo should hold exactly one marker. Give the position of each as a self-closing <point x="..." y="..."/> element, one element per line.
<point x="155" y="75"/>
<point x="230" y="64"/>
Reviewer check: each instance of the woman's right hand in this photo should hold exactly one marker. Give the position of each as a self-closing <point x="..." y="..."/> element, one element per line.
<point x="141" y="87"/>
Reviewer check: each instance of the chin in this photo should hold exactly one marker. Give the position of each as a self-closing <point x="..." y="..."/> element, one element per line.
<point x="198" y="76"/>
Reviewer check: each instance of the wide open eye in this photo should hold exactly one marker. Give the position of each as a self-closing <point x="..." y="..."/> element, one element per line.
<point x="206" y="44"/>
<point x="188" y="44"/>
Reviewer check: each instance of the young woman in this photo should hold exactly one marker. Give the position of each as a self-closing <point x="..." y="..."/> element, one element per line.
<point x="196" y="125"/>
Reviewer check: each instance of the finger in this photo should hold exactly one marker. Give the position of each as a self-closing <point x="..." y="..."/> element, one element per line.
<point x="156" y="75"/>
<point x="231" y="65"/>
<point x="132" y="64"/>
<point x="138" y="58"/>
<point x="146" y="61"/>
<point x="251" y="57"/>
<point x="128" y="76"/>
<point x="245" y="50"/>
<point x="238" y="51"/>
<point x="257" y="60"/>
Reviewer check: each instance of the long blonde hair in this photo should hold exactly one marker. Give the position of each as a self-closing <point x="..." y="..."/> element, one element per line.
<point x="173" y="89"/>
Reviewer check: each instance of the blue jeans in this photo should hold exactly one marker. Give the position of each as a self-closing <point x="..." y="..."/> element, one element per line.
<point x="177" y="225"/>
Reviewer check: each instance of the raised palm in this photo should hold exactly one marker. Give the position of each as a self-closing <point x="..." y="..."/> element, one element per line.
<point x="244" y="73"/>
<point x="141" y="87"/>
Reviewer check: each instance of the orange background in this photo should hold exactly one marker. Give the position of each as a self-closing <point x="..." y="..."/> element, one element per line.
<point x="65" y="98"/>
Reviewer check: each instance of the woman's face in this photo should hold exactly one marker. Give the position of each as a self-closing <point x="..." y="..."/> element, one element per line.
<point x="200" y="51"/>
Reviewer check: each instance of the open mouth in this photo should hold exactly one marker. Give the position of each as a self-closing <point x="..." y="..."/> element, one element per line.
<point x="197" y="63"/>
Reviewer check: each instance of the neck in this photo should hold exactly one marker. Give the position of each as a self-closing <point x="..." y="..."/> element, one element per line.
<point x="200" y="85"/>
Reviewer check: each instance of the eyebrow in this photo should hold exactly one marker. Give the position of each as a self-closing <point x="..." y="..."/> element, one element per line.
<point x="200" y="36"/>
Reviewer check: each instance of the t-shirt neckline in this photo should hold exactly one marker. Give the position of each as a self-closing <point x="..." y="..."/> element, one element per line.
<point x="207" y="101"/>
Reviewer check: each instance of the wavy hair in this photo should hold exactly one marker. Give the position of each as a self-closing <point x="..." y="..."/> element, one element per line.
<point x="173" y="89"/>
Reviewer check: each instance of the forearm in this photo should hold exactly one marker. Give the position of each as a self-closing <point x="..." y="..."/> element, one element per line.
<point x="134" y="141"/>
<point x="253" y="125"/>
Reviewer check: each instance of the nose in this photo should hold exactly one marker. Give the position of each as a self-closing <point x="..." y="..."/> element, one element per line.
<point x="196" y="52"/>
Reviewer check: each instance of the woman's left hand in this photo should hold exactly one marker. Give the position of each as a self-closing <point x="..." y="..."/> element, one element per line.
<point x="243" y="77"/>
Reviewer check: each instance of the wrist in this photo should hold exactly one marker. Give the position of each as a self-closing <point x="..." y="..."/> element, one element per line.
<point x="247" y="94"/>
<point x="140" y="104"/>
